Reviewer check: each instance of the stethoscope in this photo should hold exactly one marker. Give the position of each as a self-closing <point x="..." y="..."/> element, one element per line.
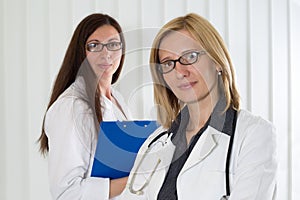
<point x="157" y="140"/>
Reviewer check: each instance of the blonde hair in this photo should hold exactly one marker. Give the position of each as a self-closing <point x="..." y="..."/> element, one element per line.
<point x="208" y="37"/>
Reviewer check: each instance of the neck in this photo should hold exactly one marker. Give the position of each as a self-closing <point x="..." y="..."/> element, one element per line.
<point x="200" y="111"/>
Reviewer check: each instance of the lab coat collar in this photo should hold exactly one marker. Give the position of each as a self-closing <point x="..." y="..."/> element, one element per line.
<point x="219" y="123"/>
<point x="220" y="119"/>
<point x="203" y="148"/>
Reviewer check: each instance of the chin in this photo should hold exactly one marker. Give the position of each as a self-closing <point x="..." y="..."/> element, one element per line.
<point x="188" y="99"/>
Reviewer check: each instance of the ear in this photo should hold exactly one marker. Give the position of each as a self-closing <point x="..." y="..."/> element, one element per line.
<point x="219" y="69"/>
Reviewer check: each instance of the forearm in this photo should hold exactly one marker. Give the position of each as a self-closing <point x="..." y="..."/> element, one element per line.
<point x="117" y="186"/>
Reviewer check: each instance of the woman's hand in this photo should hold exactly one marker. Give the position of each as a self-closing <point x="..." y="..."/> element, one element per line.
<point x="117" y="186"/>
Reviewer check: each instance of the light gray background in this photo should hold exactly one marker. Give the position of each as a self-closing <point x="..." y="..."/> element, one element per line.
<point x="262" y="36"/>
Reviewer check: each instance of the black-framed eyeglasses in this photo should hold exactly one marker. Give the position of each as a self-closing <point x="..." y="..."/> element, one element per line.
<point x="98" y="46"/>
<point x="186" y="59"/>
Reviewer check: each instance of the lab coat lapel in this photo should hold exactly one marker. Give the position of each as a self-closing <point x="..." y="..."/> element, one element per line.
<point x="164" y="154"/>
<point x="162" y="151"/>
<point x="205" y="145"/>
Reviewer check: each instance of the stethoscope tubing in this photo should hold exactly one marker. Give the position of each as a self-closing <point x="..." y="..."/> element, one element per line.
<point x="228" y="157"/>
<point x="157" y="138"/>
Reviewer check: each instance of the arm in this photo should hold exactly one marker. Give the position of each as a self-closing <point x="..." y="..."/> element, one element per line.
<point x="255" y="173"/>
<point x="70" y="128"/>
<point x="117" y="186"/>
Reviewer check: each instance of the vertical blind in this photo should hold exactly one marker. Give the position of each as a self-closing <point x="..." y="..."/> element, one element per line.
<point x="262" y="36"/>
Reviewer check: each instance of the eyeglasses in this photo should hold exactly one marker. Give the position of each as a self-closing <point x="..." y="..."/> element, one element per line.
<point x="186" y="59"/>
<point x="97" y="46"/>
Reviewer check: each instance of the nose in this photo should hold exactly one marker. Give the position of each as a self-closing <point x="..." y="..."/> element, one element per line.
<point x="181" y="70"/>
<point x="104" y="53"/>
<point x="104" y="49"/>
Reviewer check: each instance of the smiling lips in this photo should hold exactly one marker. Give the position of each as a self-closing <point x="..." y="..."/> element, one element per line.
<point x="104" y="66"/>
<point x="185" y="86"/>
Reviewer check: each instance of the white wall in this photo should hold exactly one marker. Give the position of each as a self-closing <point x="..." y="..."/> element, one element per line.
<point x="262" y="35"/>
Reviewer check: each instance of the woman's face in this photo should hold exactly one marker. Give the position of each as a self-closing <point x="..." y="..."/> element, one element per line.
<point x="104" y="61"/>
<point x="191" y="82"/>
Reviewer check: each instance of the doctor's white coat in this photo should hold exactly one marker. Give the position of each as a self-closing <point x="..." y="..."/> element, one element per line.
<point x="72" y="133"/>
<point x="252" y="167"/>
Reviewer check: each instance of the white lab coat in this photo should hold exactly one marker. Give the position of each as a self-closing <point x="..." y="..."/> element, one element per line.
<point x="252" y="167"/>
<point x="71" y="129"/>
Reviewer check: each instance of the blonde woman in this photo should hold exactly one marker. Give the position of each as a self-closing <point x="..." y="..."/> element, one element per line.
<point x="207" y="148"/>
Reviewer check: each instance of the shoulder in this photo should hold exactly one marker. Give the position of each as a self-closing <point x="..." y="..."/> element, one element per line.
<point x="158" y="131"/>
<point x="70" y="102"/>
<point x="247" y="120"/>
<point x="255" y="131"/>
<point x="71" y="111"/>
<point x="151" y="137"/>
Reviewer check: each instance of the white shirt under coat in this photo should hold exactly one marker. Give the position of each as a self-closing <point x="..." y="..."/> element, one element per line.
<point x="72" y="133"/>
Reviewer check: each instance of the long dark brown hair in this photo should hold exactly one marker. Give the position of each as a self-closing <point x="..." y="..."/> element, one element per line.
<point x="74" y="57"/>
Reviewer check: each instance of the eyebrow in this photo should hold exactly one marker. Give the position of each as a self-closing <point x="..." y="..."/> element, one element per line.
<point x="165" y="59"/>
<point x="181" y="54"/>
<point x="110" y="40"/>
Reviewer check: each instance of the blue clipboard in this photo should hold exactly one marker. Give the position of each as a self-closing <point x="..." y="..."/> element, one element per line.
<point x="117" y="147"/>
